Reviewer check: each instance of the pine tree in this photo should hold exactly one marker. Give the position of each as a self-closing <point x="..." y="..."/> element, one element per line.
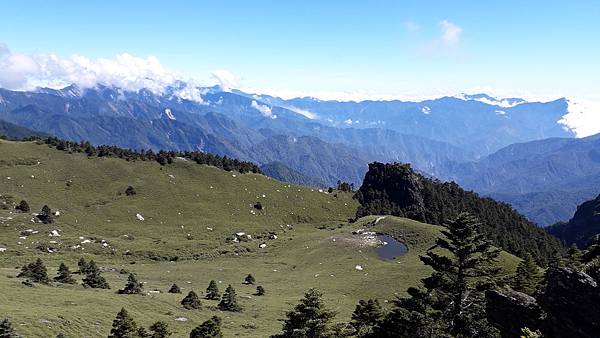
<point x="130" y="191"/>
<point x="174" y="289"/>
<point x="229" y="301"/>
<point x="64" y="275"/>
<point x="309" y="319"/>
<point x="574" y="257"/>
<point x="133" y="286"/>
<point x="191" y="301"/>
<point x="46" y="215"/>
<point x="23" y="206"/>
<point x="453" y="301"/>
<point x="6" y="329"/>
<point x="93" y="278"/>
<point x="160" y="330"/>
<point x="212" y="291"/>
<point x="142" y="332"/>
<point x="208" y="329"/>
<point x="366" y="316"/>
<point x="249" y="279"/>
<point x="527" y="277"/>
<point x="260" y="291"/>
<point x="123" y="326"/>
<point x="83" y="266"/>
<point x="36" y="272"/>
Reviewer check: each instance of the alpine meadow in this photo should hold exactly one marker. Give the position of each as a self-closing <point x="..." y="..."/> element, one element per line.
<point x="337" y="169"/>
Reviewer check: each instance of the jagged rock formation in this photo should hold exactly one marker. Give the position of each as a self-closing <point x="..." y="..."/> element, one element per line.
<point x="395" y="189"/>
<point x="569" y="306"/>
<point x="503" y="307"/>
<point x="572" y="301"/>
<point x="584" y="225"/>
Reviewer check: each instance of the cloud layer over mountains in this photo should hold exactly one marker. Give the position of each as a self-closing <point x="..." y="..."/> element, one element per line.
<point x="26" y="72"/>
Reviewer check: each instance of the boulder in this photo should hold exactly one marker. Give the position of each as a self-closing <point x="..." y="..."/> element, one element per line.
<point x="511" y="310"/>
<point x="572" y="300"/>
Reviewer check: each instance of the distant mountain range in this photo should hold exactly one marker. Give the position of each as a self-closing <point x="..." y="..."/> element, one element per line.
<point x="317" y="142"/>
<point x="545" y="180"/>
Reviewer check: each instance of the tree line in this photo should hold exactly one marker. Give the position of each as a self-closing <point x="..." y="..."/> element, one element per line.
<point x="163" y="157"/>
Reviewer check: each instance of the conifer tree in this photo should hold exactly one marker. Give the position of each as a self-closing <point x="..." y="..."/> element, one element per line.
<point x="208" y="329"/>
<point x="123" y="326"/>
<point x="142" y="333"/>
<point x="310" y="318"/>
<point x="93" y="278"/>
<point x="366" y="317"/>
<point x="46" y="215"/>
<point x="159" y="330"/>
<point x="7" y="330"/>
<point x="133" y="286"/>
<point x="64" y="275"/>
<point x="191" y="301"/>
<point x="453" y="302"/>
<point x="260" y="291"/>
<point x="82" y="265"/>
<point x="130" y="191"/>
<point x="212" y="291"/>
<point x="249" y="279"/>
<point x="527" y="277"/>
<point x="229" y="301"/>
<point x="23" y="206"/>
<point x="174" y="289"/>
<point x="36" y="272"/>
<point x="574" y="256"/>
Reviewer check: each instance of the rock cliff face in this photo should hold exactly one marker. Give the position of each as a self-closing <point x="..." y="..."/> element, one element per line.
<point x="584" y="225"/>
<point x="572" y="301"/>
<point x="391" y="189"/>
<point x="395" y="189"/>
<point x="568" y="307"/>
<point x="503" y="308"/>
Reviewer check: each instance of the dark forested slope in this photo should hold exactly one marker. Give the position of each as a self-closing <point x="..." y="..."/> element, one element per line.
<point x="395" y="189"/>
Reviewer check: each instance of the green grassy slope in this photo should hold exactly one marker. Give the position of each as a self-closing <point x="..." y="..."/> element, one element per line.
<point x="317" y="249"/>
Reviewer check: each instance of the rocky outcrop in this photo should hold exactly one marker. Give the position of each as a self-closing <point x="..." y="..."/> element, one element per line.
<point x="510" y="311"/>
<point x="572" y="301"/>
<point x="391" y="189"/>
<point x="396" y="189"/>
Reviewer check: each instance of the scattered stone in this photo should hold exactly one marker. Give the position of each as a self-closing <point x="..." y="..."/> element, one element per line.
<point x="359" y="267"/>
<point x="181" y="319"/>
<point x="139" y="217"/>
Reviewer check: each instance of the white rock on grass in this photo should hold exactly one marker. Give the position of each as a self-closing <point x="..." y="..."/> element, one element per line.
<point x="359" y="267"/>
<point x="181" y="319"/>
<point x="3" y="249"/>
<point x="139" y="217"/>
<point x="262" y="245"/>
<point x="54" y="233"/>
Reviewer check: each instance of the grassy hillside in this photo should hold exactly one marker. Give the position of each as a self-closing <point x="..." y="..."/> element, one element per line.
<point x="189" y="213"/>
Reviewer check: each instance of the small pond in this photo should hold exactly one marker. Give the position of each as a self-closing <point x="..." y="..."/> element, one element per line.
<point x="391" y="249"/>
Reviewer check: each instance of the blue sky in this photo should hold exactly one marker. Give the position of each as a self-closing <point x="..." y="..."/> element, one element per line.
<point x="324" y="47"/>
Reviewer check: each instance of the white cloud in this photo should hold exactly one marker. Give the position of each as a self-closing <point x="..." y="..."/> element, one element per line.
<point x="263" y="109"/>
<point x="450" y="33"/>
<point x="583" y="117"/>
<point x="226" y="79"/>
<point x="303" y="112"/>
<point x="22" y="72"/>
